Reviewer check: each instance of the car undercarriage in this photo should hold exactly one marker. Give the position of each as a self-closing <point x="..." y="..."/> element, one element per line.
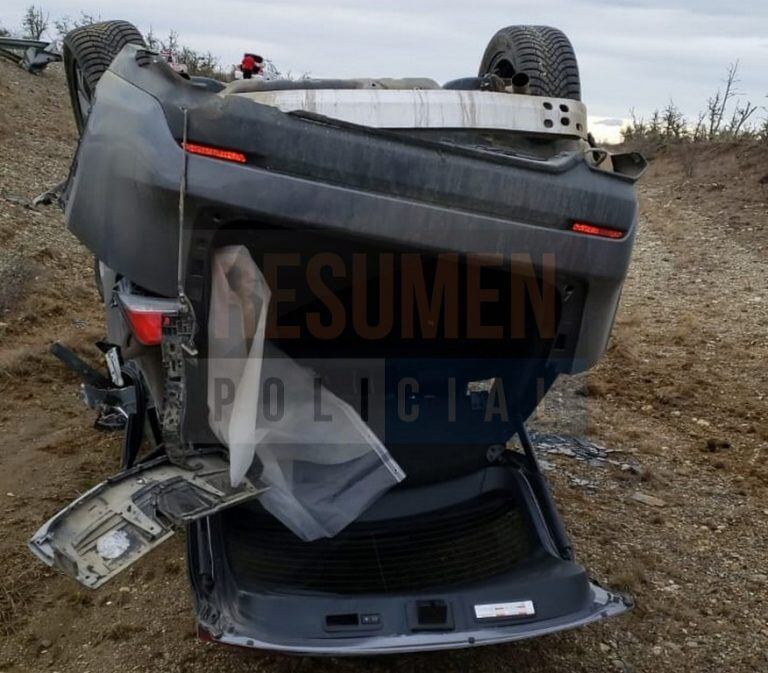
<point x="330" y="305"/>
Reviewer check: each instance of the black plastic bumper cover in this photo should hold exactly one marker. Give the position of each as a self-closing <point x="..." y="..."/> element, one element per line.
<point x="313" y="173"/>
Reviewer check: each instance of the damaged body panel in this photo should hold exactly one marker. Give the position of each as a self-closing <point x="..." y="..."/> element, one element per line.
<point x="117" y="522"/>
<point x="437" y="567"/>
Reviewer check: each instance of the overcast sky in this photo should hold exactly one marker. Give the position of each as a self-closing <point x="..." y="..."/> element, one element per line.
<point x="632" y="53"/>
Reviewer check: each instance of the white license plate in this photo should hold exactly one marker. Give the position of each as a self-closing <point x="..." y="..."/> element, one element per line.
<point x="496" y="610"/>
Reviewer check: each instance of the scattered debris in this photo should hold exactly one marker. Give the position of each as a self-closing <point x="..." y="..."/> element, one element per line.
<point x="650" y="500"/>
<point x="32" y="55"/>
<point x="573" y="447"/>
<point x="52" y="195"/>
<point x="583" y="483"/>
<point x="714" y="445"/>
<point x="582" y="449"/>
<point x="18" y="201"/>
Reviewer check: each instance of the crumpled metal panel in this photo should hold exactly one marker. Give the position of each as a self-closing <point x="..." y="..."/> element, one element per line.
<point x="122" y="519"/>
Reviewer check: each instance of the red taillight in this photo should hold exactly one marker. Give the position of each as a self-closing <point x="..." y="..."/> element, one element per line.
<point x="147" y="326"/>
<point x="214" y="152"/>
<point x="592" y="230"/>
<point x="146" y="315"/>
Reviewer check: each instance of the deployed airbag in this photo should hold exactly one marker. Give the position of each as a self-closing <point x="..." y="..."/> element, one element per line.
<point x="323" y="464"/>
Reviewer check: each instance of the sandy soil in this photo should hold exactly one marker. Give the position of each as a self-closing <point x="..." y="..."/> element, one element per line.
<point x="680" y="398"/>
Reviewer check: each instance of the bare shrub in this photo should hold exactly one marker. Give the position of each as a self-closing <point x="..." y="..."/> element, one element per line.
<point x="725" y="117"/>
<point x="762" y="129"/>
<point x="67" y="23"/>
<point x="202" y="63"/>
<point x="688" y="159"/>
<point x="717" y="104"/>
<point x="34" y="23"/>
<point x="674" y="123"/>
<point x="741" y="113"/>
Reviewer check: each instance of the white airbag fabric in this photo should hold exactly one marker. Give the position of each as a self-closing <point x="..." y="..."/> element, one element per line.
<point x="322" y="474"/>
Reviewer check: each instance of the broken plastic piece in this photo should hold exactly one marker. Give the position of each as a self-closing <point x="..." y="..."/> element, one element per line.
<point x="117" y="522"/>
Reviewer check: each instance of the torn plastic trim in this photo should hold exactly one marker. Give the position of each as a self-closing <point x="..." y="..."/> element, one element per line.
<point x="122" y="519"/>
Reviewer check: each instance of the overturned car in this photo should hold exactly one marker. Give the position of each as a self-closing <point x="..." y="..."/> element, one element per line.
<point x="330" y="304"/>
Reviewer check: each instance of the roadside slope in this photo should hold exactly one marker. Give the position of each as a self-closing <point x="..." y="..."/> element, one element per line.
<point x="680" y="399"/>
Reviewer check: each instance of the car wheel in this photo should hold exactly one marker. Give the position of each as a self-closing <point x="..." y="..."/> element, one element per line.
<point x="88" y="52"/>
<point x="544" y="54"/>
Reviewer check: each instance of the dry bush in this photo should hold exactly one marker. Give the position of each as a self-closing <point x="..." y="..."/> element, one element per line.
<point x="34" y="23"/>
<point x="725" y="118"/>
<point x="687" y="156"/>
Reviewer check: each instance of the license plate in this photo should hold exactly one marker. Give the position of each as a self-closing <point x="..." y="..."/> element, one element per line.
<point x="497" y="610"/>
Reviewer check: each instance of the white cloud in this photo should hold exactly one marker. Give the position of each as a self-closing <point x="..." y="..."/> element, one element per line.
<point x="632" y="53"/>
<point x="607" y="130"/>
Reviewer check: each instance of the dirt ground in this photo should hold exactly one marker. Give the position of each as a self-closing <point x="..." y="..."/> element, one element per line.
<point x="680" y="399"/>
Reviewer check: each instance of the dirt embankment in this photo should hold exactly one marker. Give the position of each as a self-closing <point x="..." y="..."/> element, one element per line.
<point x="680" y="399"/>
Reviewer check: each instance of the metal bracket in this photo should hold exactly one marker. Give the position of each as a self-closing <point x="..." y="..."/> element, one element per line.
<point x="122" y="403"/>
<point x="114" y="403"/>
<point x="177" y="344"/>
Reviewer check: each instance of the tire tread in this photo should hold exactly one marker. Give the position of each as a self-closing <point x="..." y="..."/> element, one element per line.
<point x="93" y="48"/>
<point x="543" y="53"/>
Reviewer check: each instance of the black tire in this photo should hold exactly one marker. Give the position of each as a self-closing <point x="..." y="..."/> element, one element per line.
<point x="544" y="54"/>
<point x="88" y="52"/>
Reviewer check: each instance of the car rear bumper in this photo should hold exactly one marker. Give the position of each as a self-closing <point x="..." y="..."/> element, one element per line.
<point x="374" y="588"/>
<point x="603" y="606"/>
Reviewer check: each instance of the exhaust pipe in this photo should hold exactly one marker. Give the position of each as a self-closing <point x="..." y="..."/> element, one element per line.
<point x="521" y="83"/>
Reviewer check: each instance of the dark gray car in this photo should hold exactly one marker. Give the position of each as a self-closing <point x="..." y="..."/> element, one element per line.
<point x="476" y="220"/>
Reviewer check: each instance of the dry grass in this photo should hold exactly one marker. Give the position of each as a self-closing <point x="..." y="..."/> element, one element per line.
<point x="16" y="275"/>
<point x="14" y="596"/>
<point x="118" y="632"/>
